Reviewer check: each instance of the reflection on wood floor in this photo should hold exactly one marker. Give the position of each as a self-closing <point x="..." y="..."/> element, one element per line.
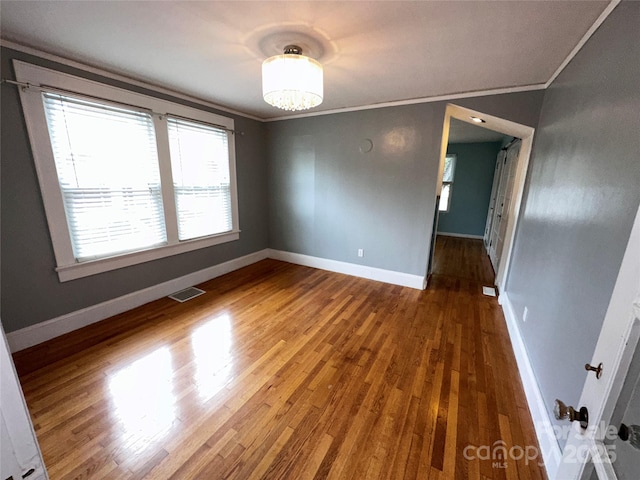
<point x="286" y="372"/>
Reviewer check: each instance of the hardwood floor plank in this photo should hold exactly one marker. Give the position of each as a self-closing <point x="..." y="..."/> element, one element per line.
<point x="312" y="465"/>
<point x="450" y="450"/>
<point x="440" y="433"/>
<point x="405" y="441"/>
<point x="201" y="457"/>
<point x="271" y="453"/>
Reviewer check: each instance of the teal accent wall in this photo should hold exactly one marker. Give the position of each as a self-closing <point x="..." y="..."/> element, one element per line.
<point x="471" y="192"/>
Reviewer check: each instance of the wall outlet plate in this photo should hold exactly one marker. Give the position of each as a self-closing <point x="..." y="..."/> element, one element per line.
<point x="360" y="252"/>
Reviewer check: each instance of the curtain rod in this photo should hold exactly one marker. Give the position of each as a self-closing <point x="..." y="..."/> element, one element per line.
<point x="48" y="88"/>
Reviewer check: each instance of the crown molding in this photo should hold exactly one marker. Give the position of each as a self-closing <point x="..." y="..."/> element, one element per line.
<point x="525" y="88"/>
<point x="122" y="78"/>
<point x="162" y="89"/>
<point x="168" y="91"/>
<point x="585" y="38"/>
<point x="439" y="98"/>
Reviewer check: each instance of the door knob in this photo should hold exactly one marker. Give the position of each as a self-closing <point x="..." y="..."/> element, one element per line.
<point x="562" y="412"/>
<point x="630" y="434"/>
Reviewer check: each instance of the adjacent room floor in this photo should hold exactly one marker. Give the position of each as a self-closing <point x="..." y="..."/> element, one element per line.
<point x="286" y="372"/>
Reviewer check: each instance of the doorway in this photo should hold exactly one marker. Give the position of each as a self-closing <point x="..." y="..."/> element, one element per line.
<point x="467" y="189"/>
<point x="510" y="212"/>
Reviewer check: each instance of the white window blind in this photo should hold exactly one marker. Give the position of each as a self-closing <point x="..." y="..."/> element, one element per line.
<point x="201" y="180"/>
<point x="107" y="165"/>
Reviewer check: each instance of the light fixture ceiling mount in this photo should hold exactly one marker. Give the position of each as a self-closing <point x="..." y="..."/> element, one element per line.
<point x="292" y="81"/>
<point x="477" y="119"/>
<point x="292" y="50"/>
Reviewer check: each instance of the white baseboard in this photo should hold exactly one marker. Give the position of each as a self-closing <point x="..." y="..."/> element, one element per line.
<point x="460" y="235"/>
<point x="41" y="332"/>
<point x="371" y="273"/>
<point x="551" y="453"/>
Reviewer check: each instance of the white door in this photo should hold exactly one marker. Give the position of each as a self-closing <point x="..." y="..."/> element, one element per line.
<point x="505" y="206"/>
<point x="19" y="448"/>
<point x="503" y="202"/>
<point x="614" y="398"/>
<point x="494" y="196"/>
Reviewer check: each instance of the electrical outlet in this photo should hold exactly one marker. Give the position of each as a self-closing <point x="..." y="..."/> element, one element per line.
<point x="360" y="252"/>
<point x="525" y="314"/>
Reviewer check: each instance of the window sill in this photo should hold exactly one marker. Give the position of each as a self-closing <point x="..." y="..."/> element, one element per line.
<point x="93" y="267"/>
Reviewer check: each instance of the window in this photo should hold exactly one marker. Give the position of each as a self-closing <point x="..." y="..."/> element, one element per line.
<point x="200" y="180"/>
<point x="107" y="166"/>
<point x="126" y="178"/>
<point x="447" y="183"/>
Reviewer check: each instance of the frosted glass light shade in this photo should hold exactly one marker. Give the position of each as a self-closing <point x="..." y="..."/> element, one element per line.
<point x="292" y="82"/>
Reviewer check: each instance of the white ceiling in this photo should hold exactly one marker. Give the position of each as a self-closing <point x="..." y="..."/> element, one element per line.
<point x="373" y="51"/>
<point x="463" y="132"/>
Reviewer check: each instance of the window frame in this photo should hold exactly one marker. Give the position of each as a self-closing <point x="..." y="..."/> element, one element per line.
<point x="185" y="125"/>
<point x="67" y="267"/>
<point x="454" y="158"/>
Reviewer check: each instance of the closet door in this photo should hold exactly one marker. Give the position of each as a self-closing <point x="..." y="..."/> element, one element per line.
<point x="503" y="201"/>
<point x="494" y="195"/>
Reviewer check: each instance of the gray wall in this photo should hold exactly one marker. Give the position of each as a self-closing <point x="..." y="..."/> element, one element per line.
<point x="471" y="192"/>
<point x="31" y="292"/>
<point x="327" y="198"/>
<point x="582" y="196"/>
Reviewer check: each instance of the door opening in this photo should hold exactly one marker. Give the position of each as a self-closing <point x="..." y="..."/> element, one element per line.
<point x="510" y="213"/>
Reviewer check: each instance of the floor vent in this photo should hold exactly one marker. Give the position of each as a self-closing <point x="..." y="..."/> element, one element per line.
<point x="186" y="294"/>
<point x="489" y="291"/>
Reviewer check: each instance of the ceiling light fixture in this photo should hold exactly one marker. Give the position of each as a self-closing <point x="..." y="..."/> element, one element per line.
<point x="292" y="81"/>
<point x="477" y="120"/>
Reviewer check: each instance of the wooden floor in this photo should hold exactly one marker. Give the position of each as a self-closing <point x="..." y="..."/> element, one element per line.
<point x="285" y="372"/>
<point x="463" y="258"/>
